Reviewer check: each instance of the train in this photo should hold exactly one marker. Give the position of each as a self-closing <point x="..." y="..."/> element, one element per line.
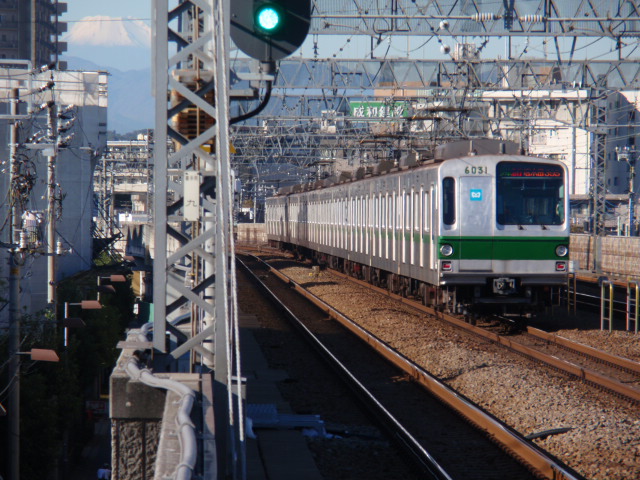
<point x="480" y="226"/>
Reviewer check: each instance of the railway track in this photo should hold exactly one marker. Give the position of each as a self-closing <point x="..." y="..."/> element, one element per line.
<point x="619" y="376"/>
<point x="541" y="464"/>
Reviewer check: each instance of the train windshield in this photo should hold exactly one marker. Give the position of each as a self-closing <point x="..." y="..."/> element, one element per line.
<point x="529" y="194"/>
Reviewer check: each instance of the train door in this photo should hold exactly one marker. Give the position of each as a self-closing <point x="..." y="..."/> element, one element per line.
<point x="431" y="212"/>
<point x="405" y="223"/>
<point x="375" y="225"/>
<point x="383" y="227"/>
<point x="476" y="223"/>
<point x="418" y="203"/>
<point x="393" y="225"/>
<point x="414" y="225"/>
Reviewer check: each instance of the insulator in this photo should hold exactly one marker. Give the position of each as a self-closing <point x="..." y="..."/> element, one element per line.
<point x="23" y="240"/>
<point x="484" y="17"/>
<point x="66" y="109"/>
<point x="532" y="18"/>
<point x="59" y="249"/>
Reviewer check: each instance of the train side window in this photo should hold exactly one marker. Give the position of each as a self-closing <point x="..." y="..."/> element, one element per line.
<point x="416" y="211"/>
<point x="425" y="210"/>
<point x="406" y="212"/>
<point x="376" y="220"/>
<point x="448" y="201"/>
<point x="383" y="211"/>
<point x="367" y="211"/>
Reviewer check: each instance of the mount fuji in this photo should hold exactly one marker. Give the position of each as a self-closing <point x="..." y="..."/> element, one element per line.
<point x="110" y="32"/>
<point x="122" y="43"/>
<point x="122" y="47"/>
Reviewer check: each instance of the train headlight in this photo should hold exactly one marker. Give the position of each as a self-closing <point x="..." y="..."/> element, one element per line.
<point x="446" y="250"/>
<point x="562" y="250"/>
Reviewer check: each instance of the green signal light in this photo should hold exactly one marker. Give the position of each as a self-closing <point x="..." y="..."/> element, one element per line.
<point x="268" y="18"/>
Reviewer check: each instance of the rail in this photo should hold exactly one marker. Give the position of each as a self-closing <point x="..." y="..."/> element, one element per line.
<point x="423" y="459"/>
<point x="584" y="374"/>
<point x="536" y="458"/>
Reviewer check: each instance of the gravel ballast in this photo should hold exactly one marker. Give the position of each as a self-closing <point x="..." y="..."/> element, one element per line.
<point x="603" y="440"/>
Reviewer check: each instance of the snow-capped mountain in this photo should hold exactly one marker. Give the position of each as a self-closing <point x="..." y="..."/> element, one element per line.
<point x="109" y="32"/>
<point x="114" y="42"/>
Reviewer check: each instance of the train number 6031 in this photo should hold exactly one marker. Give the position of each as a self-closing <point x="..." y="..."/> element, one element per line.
<point x="476" y="170"/>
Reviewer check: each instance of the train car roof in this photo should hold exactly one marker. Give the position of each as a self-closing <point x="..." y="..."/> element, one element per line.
<point x="461" y="149"/>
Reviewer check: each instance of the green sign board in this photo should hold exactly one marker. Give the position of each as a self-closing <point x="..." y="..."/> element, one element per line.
<point x="378" y="109"/>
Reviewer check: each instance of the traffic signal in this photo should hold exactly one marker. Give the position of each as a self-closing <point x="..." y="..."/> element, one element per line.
<point x="269" y="30"/>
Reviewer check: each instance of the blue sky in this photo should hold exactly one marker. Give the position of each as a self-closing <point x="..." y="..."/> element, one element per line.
<point x="77" y="9"/>
<point x="106" y="56"/>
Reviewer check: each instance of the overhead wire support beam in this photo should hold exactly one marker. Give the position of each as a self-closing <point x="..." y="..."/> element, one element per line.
<point x="540" y="18"/>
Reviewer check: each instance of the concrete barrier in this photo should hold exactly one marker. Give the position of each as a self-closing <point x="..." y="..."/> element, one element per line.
<point x="251" y="234"/>
<point x="619" y="255"/>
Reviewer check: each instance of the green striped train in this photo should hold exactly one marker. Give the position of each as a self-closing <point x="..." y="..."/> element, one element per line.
<point x="479" y="226"/>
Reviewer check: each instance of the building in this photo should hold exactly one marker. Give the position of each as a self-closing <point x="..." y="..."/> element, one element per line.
<point x="30" y="30"/>
<point x="81" y="101"/>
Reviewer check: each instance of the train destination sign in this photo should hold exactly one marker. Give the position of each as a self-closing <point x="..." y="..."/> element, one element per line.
<point x="528" y="170"/>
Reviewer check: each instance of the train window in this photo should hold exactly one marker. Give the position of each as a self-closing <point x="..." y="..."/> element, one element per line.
<point x="529" y="194"/>
<point x="425" y="210"/>
<point x="449" y="201"/>
<point x="376" y="220"/>
<point x="406" y="211"/>
<point x="416" y="211"/>
<point x="383" y="212"/>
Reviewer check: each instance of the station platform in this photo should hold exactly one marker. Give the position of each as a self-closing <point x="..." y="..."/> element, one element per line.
<point x="279" y="450"/>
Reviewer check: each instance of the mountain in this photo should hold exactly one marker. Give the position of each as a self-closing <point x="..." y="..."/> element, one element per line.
<point x="131" y="106"/>
<point x="122" y="47"/>
<point x="109" y="32"/>
<point x="114" y="42"/>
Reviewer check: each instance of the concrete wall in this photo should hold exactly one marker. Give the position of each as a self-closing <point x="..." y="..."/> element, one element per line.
<point x="620" y="255"/>
<point x="134" y="448"/>
<point x="253" y="234"/>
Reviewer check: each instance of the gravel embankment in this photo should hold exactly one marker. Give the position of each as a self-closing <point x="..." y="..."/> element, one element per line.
<point x="603" y="442"/>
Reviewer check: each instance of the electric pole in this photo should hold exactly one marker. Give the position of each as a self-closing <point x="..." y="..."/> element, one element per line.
<point x="14" y="299"/>
<point x="51" y="154"/>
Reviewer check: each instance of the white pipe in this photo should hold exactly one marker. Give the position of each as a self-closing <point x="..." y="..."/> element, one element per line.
<point x="186" y="429"/>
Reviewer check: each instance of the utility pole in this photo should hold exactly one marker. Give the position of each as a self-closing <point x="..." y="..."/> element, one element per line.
<point x="51" y="153"/>
<point x="14" y="299"/>
<point x="34" y="32"/>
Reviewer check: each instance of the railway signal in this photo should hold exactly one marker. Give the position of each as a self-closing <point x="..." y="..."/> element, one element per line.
<point x="269" y="30"/>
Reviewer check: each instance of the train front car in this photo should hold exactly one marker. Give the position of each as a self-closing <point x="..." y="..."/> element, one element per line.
<point x="504" y="233"/>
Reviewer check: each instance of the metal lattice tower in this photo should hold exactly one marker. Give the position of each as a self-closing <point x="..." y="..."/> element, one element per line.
<point x="599" y="172"/>
<point x="193" y="268"/>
